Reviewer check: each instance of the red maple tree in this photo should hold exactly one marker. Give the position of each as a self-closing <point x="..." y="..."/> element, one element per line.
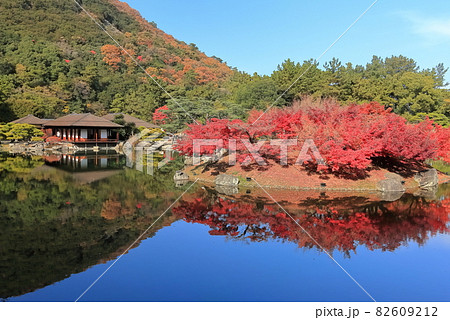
<point x="349" y="138"/>
<point x="160" y="116"/>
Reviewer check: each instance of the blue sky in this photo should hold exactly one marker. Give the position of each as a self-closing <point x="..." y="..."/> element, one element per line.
<point x="256" y="36"/>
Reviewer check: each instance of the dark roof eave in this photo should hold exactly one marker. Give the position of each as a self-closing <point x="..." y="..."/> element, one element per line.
<point x="83" y="126"/>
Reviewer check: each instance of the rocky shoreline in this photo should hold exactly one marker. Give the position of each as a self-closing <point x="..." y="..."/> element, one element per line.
<point x="41" y="148"/>
<point x="388" y="186"/>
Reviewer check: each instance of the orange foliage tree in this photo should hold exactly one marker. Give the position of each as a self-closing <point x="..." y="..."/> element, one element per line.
<point x="112" y="55"/>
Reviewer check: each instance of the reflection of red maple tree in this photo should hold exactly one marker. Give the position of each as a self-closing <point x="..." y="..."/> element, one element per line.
<point x="380" y="226"/>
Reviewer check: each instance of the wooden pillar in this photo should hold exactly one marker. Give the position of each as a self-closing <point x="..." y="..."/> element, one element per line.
<point x="117" y="135"/>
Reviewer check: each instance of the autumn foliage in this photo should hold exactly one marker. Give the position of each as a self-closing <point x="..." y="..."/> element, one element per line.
<point x="349" y="138"/>
<point x="161" y="46"/>
<point x="112" y="55"/>
<point x="160" y="116"/>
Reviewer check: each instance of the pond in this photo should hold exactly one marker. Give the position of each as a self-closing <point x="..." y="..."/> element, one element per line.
<point x="65" y="219"/>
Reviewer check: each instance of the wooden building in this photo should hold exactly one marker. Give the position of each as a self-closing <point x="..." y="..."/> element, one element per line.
<point x="82" y="128"/>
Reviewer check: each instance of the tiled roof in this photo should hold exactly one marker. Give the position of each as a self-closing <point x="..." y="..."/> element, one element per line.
<point x="30" y="119"/>
<point x="82" y="120"/>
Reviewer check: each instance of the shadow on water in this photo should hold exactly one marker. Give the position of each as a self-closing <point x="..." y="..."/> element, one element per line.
<point x="61" y="215"/>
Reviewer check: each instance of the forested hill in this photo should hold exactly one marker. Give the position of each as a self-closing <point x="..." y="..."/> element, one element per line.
<point x="54" y="59"/>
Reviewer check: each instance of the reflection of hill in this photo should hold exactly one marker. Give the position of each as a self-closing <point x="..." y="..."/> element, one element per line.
<point x="54" y="226"/>
<point x="335" y="223"/>
<point x="38" y="255"/>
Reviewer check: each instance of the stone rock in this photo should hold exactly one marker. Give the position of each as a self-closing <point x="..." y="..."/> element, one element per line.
<point x="428" y="193"/>
<point x="180" y="183"/>
<point x="219" y="154"/>
<point x="391" y="196"/>
<point x="188" y="161"/>
<point x="180" y="175"/>
<point x="427" y="179"/>
<point x="395" y="176"/>
<point x="226" y="180"/>
<point x="205" y="158"/>
<point x="390" y="185"/>
<point x="142" y="145"/>
<point x="227" y="190"/>
<point x="17" y="148"/>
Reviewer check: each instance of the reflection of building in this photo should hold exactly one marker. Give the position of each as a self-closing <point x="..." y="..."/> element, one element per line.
<point x="84" y="162"/>
<point x="87" y="168"/>
<point x="83" y="128"/>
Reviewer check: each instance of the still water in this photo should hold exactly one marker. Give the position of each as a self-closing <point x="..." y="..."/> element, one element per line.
<point x="65" y="219"/>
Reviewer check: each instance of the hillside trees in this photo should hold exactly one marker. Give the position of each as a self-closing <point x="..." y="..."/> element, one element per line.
<point x="128" y="128"/>
<point x="140" y="102"/>
<point x="40" y="101"/>
<point x="258" y="93"/>
<point x="310" y="79"/>
<point x="112" y="56"/>
<point x="54" y="60"/>
<point x="55" y="47"/>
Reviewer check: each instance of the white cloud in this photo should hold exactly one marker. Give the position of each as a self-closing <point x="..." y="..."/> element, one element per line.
<point x="432" y="28"/>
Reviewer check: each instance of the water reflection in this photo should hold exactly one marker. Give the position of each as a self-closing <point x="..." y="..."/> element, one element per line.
<point x="59" y="217"/>
<point x="56" y="221"/>
<point x="85" y="161"/>
<point x="340" y="223"/>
